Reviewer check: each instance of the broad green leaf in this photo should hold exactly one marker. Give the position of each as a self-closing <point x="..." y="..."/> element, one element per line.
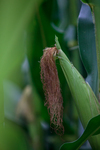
<point x="15" y="15"/>
<point x="92" y="127"/>
<point x="87" y="46"/>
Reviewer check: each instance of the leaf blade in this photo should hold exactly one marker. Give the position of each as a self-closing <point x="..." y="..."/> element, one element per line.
<point x="92" y="127"/>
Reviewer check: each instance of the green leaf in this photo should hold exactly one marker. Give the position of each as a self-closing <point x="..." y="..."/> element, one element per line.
<point x="14" y="16"/>
<point x="92" y="127"/>
<point x="14" y="19"/>
<point x="13" y="137"/>
<point x="87" y="46"/>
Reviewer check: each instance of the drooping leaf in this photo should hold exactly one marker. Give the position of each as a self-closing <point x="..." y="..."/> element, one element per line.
<point x="92" y="127"/>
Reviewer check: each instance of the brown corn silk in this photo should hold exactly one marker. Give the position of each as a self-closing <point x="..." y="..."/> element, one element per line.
<point x="51" y="86"/>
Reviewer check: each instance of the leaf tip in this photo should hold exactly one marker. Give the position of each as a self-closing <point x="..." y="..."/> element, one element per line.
<point x="57" y="43"/>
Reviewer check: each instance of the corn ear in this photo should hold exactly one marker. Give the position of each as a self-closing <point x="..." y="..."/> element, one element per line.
<point x="85" y="100"/>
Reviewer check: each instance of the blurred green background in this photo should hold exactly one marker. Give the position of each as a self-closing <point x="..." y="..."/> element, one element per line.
<point x="26" y="28"/>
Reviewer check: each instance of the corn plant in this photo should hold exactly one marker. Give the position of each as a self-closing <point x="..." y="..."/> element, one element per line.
<point x="27" y="27"/>
<point x="84" y="92"/>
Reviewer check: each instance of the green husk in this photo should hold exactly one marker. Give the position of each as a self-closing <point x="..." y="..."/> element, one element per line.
<point x="81" y="91"/>
<point x="85" y="100"/>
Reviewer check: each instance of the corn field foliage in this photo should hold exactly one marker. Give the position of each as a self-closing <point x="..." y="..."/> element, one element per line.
<point x="49" y="74"/>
